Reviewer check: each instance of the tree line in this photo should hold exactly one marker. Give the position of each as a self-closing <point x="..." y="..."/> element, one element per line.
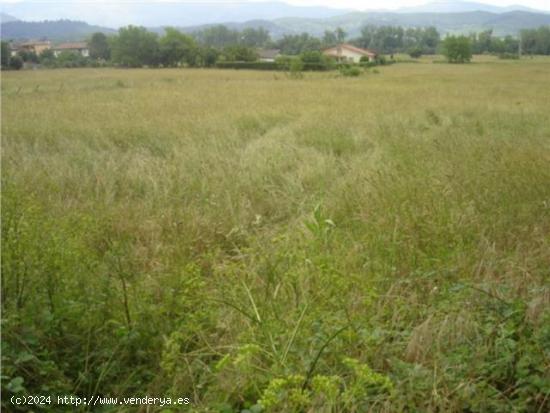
<point x="135" y="46"/>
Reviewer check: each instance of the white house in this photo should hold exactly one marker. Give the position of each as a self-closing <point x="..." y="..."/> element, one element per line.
<point x="268" y="55"/>
<point x="348" y="53"/>
<point x="76" y="47"/>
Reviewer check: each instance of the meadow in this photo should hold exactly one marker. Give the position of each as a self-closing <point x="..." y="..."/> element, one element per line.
<point x="261" y="243"/>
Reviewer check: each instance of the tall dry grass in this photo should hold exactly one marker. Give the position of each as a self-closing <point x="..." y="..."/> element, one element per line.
<point x="236" y="236"/>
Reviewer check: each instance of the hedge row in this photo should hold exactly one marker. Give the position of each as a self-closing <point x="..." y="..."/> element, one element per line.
<point x="307" y="66"/>
<point x="378" y="62"/>
<point x="249" y="65"/>
<point x="285" y="64"/>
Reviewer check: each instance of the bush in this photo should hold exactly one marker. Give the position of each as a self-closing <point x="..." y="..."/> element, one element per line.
<point x="508" y="56"/>
<point x="350" y="71"/>
<point x="296" y="68"/>
<point x="70" y="59"/>
<point x="316" y="61"/>
<point x="378" y="61"/>
<point x="311" y="61"/>
<point x="207" y="57"/>
<point x="248" y="65"/>
<point x="16" y="63"/>
<point x="457" y="49"/>
<point x="317" y="67"/>
<point x="283" y="62"/>
<point x="286" y="63"/>
<point x="415" y="52"/>
<point x="240" y="54"/>
<point x="30" y="57"/>
<point x="381" y="60"/>
<point x="368" y="64"/>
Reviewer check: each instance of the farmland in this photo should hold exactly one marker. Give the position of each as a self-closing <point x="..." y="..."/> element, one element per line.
<point x="253" y="241"/>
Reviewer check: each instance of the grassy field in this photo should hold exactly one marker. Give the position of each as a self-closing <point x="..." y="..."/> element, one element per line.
<point x="259" y="243"/>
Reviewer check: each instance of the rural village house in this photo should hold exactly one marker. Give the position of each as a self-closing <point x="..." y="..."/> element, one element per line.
<point x="348" y="53"/>
<point x="30" y="47"/>
<point x="268" y="55"/>
<point x="75" y="47"/>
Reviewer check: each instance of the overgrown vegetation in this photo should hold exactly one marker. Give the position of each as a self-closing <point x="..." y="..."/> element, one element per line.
<point x="457" y="49"/>
<point x="264" y="244"/>
<point x="219" y="46"/>
<point x="536" y="41"/>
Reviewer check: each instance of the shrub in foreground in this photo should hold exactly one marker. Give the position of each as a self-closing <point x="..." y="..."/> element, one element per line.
<point x="457" y="49"/>
<point x="415" y="52"/>
<point x="248" y="65"/>
<point x="508" y="56"/>
<point x="350" y="71"/>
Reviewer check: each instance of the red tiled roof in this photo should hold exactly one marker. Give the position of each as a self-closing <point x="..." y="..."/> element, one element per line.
<point x="71" y="46"/>
<point x="39" y="43"/>
<point x="351" y="48"/>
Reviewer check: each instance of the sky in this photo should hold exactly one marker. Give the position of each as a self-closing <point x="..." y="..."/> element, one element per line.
<point x="352" y="4"/>
<point x="395" y="4"/>
<point x="116" y="13"/>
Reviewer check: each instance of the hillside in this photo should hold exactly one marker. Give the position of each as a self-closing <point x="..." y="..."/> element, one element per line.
<point x="158" y="14"/>
<point x="454" y="6"/>
<point x="5" y="18"/>
<point x="53" y="30"/>
<point x="509" y="23"/>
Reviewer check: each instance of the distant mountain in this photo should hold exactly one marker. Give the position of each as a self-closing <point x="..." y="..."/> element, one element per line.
<point x="502" y="23"/>
<point x="52" y="30"/>
<point x="275" y="30"/>
<point x="5" y="18"/>
<point x="156" y="14"/>
<point x="509" y="23"/>
<point x="454" y="6"/>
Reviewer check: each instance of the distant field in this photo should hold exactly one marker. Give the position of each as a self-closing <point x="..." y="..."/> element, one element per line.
<point x="259" y="243"/>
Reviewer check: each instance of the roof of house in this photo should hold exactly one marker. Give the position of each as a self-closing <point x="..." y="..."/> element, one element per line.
<point x="351" y="48"/>
<point x="72" y="46"/>
<point x="268" y="53"/>
<point x="37" y="43"/>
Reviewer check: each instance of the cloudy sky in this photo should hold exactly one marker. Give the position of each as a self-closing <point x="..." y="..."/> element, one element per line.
<point x="116" y="13"/>
<point x="394" y="4"/>
<point x="355" y="4"/>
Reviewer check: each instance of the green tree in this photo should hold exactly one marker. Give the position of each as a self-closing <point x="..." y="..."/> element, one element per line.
<point x="254" y="37"/>
<point x="329" y="39"/>
<point x="315" y="60"/>
<point x="28" y="56"/>
<point x="484" y="41"/>
<point x="218" y="36"/>
<point x="296" y="67"/>
<point x="390" y="39"/>
<point x="5" y="55"/>
<point x="16" y="62"/>
<point x="429" y="39"/>
<point x="240" y="54"/>
<point x="99" y="46"/>
<point x="176" y="47"/>
<point x="208" y="56"/>
<point x="536" y="41"/>
<point x="71" y="59"/>
<point x="340" y="35"/>
<point x="510" y="45"/>
<point x="47" y="58"/>
<point x="415" y="52"/>
<point x="298" y="43"/>
<point x="135" y="47"/>
<point x="457" y="49"/>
